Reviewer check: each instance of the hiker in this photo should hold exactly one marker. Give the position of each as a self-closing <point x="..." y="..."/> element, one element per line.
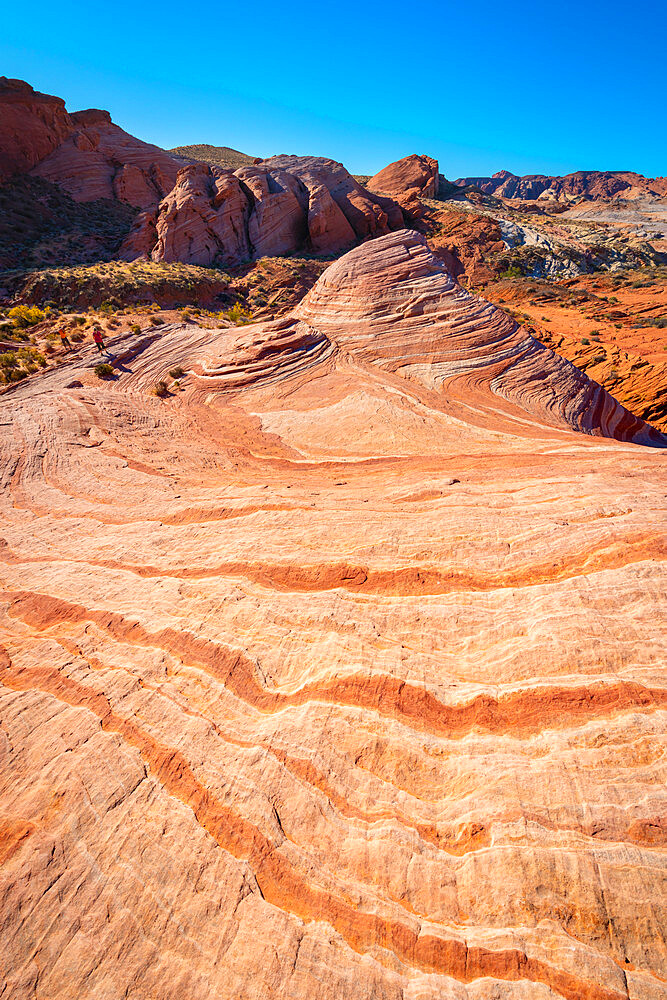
<point x="97" y="337"/>
<point x="64" y="340"/>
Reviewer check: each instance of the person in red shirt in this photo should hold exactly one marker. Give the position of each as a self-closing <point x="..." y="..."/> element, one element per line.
<point x="97" y="337"/>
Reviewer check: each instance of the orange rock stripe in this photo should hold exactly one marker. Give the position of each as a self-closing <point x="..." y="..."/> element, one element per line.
<point x="279" y="881"/>
<point x="518" y="713"/>
<point x="410" y="580"/>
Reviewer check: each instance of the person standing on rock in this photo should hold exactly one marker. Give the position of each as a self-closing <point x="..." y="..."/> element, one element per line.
<point x="64" y="340"/>
<point x="97" y="337"/>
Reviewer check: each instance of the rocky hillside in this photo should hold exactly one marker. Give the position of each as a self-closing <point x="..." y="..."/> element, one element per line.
<point x="197" y="214"/>
<point x="216" y="156"/>
<point x="332" y="661"/>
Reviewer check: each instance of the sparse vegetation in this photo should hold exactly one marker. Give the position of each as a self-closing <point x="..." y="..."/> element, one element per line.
<point x="108" y="287"/>
<point x="238" y="315"/>
<point x="161" y="389"/>
<point x="17" y="365"/>
<point x="104" y="370"/>
<point x="177" y="372"/>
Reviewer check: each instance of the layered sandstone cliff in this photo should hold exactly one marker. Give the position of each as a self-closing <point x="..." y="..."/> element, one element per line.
<point x="338" y="672"/>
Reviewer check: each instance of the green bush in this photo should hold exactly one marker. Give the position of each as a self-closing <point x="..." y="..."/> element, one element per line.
<point x="513" y="271"/>
<point x="104" y="370"/>
<point x="177" y="372"/>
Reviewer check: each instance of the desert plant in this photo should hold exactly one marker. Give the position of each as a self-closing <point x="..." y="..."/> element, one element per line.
<point x="161" y="390"/>
<point x="585" y="340"/>
<point x="238" y="314"/>
<point x="103" y="370"/>
<point x="135" y="328"/>
<point x="177" y="372"/>
<point x="24" y="316"/>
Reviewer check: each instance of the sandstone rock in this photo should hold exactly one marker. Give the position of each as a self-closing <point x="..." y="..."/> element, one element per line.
<point x="277" y="223"/>
<point x="339" y="673"/>
<point x="279" y="206"/>
<point x="415" y="175"/>
<point x="100" y="160"/>
<point x="367" y="214"/>
<point x="203" y="219"/>
<point x="31" y="126"/>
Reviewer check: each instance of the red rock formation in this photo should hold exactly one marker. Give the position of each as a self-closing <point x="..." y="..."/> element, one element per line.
<point x="595" y="185"/>
<point x="31" y="126"/>
<point x="367" y="214"/>
<point x="413" y="175"/>
<point x="203" y="219"/>
<point x="84" y="152"/>
<point x="100" y="160"/>
<point x="276" y="207"/>
<point x="338" y="673"/>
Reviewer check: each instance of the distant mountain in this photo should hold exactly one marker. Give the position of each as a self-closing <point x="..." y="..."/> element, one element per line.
<point x="215" y="156"/>
<point x="594" y="185"/>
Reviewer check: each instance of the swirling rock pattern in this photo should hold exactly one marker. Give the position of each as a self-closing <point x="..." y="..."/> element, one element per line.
<point x="339" y="673"/>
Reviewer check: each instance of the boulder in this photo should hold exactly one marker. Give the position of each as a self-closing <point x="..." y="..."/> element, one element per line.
<point x="415" y="174"/>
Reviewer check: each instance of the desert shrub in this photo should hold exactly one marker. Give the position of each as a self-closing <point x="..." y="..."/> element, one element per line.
<point x="161" y="389"/>
<point x="29" y="356"/>
<point x="103" y="370"/>
<point x="78" y="320"/>
<point x="177" y="372"/>
<point x="598" y="359"/>
<point x="24" y="316"/>
<point x="585" y="340"/>
<point x="238" y="314"/>
<point x="77" y="337"/>
<point x="8" y="361"/>
<point x="513" y="271"/>
<point x="155" y="321"/>
<point x="135" y="328"/>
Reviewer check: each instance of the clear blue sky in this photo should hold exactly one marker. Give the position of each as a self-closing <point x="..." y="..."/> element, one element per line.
<point x="527" y="86"/>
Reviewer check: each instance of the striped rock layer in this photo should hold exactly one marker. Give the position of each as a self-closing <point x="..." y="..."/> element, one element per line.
<point x="338" y="673"/>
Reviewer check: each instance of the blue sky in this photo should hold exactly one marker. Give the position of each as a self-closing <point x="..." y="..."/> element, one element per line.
<point x="530" y="87"/>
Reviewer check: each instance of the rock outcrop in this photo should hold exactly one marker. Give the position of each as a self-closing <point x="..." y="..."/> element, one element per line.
<point x="84" y="153"/>
<point x="100" y="160"/>
<point x="413" y="175"/>
<point x="31" y="126"/>
<point x="275" y="207"/>
<point x="594" y="185"/>
<point x="338" y="672"/>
